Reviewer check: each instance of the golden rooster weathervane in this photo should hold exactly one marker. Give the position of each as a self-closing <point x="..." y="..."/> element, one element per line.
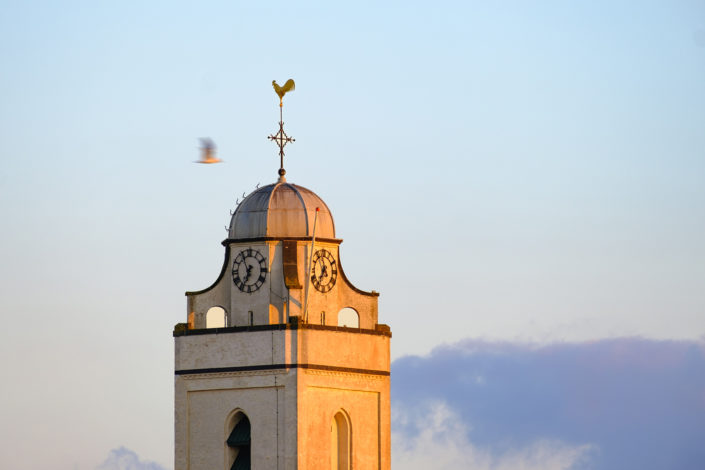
<point x="280" y="138"/>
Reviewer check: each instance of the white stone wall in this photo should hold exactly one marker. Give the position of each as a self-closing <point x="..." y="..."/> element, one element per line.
<point x="205" y="402"/>
<point x="251" y="348"/>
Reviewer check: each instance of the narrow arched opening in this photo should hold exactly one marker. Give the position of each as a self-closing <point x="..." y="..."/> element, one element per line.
<point x="215" y="317"/>
<point x="239" y="443"/>
<point x="340" y="442"/>
<point x="349" y="317"/>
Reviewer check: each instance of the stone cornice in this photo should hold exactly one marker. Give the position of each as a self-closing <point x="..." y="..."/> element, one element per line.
<point x="263" y="367"/>
<point x="380" y="330"/>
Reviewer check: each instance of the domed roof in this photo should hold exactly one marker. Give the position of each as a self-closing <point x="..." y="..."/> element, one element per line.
<point x="281" y="210"/>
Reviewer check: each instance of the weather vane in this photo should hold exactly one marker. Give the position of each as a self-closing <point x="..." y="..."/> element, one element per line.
<point x="280" y="138"/>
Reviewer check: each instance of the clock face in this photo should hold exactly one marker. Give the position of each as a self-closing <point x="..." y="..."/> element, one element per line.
<point x="249" y="270"/>
<point x="324" y="271"/>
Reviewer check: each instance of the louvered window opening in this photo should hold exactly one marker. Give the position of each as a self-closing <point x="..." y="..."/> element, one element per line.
<point x="239" y="439"/>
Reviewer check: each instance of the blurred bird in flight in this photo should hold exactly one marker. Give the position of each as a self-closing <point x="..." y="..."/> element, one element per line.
<point x="282" y="90"/>
<point x="208" y="152"/>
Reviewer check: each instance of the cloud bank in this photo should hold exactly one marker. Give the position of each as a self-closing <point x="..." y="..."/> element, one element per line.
<point x="621" y="403"/>
<point x="125" y="459"/>
<point x="442" y="443"/>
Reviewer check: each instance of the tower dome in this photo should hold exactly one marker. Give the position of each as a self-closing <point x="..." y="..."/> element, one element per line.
<point x="281" y="210"/>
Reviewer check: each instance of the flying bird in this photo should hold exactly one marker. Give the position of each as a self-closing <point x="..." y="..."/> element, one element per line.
<point x="208" y="152"/>
<point x="282" y="90"/>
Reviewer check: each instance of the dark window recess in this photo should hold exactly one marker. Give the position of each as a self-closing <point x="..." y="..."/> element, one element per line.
<point x="242" y="461"/>
<point x="291" y="265"/>
<point x="239" y="440"/>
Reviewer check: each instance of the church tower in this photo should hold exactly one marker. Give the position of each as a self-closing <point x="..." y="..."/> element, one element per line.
<point x="282" y="363"/>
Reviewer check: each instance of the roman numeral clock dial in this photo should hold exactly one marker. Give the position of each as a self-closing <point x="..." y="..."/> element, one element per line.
<point x="249" y="270"/>
<point x="324" y="271"/>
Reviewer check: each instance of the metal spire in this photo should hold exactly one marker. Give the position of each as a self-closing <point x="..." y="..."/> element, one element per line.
<point x="280" y="138"/>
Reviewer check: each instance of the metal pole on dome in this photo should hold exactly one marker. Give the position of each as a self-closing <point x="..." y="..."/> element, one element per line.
<point x="280" y="138"/>
<point x="308" y="271"/>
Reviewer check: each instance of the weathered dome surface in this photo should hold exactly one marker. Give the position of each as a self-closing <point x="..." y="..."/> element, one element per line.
<point x="281" y="210"/>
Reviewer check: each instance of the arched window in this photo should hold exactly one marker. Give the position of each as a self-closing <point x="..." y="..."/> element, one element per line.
<point x="239" y="443"/>
<point x="215" y="317"/>
<point x="341" y="449"/>
<point x="349" y="317"/>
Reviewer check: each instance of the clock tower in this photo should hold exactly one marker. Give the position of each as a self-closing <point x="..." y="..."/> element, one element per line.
<point x="282" y="363"/>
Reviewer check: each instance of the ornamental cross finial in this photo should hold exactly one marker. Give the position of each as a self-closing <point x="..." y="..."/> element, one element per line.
<point x="280" y="138"/>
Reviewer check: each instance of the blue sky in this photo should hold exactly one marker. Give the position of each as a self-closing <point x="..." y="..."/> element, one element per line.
<point x="515" y="173"/>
